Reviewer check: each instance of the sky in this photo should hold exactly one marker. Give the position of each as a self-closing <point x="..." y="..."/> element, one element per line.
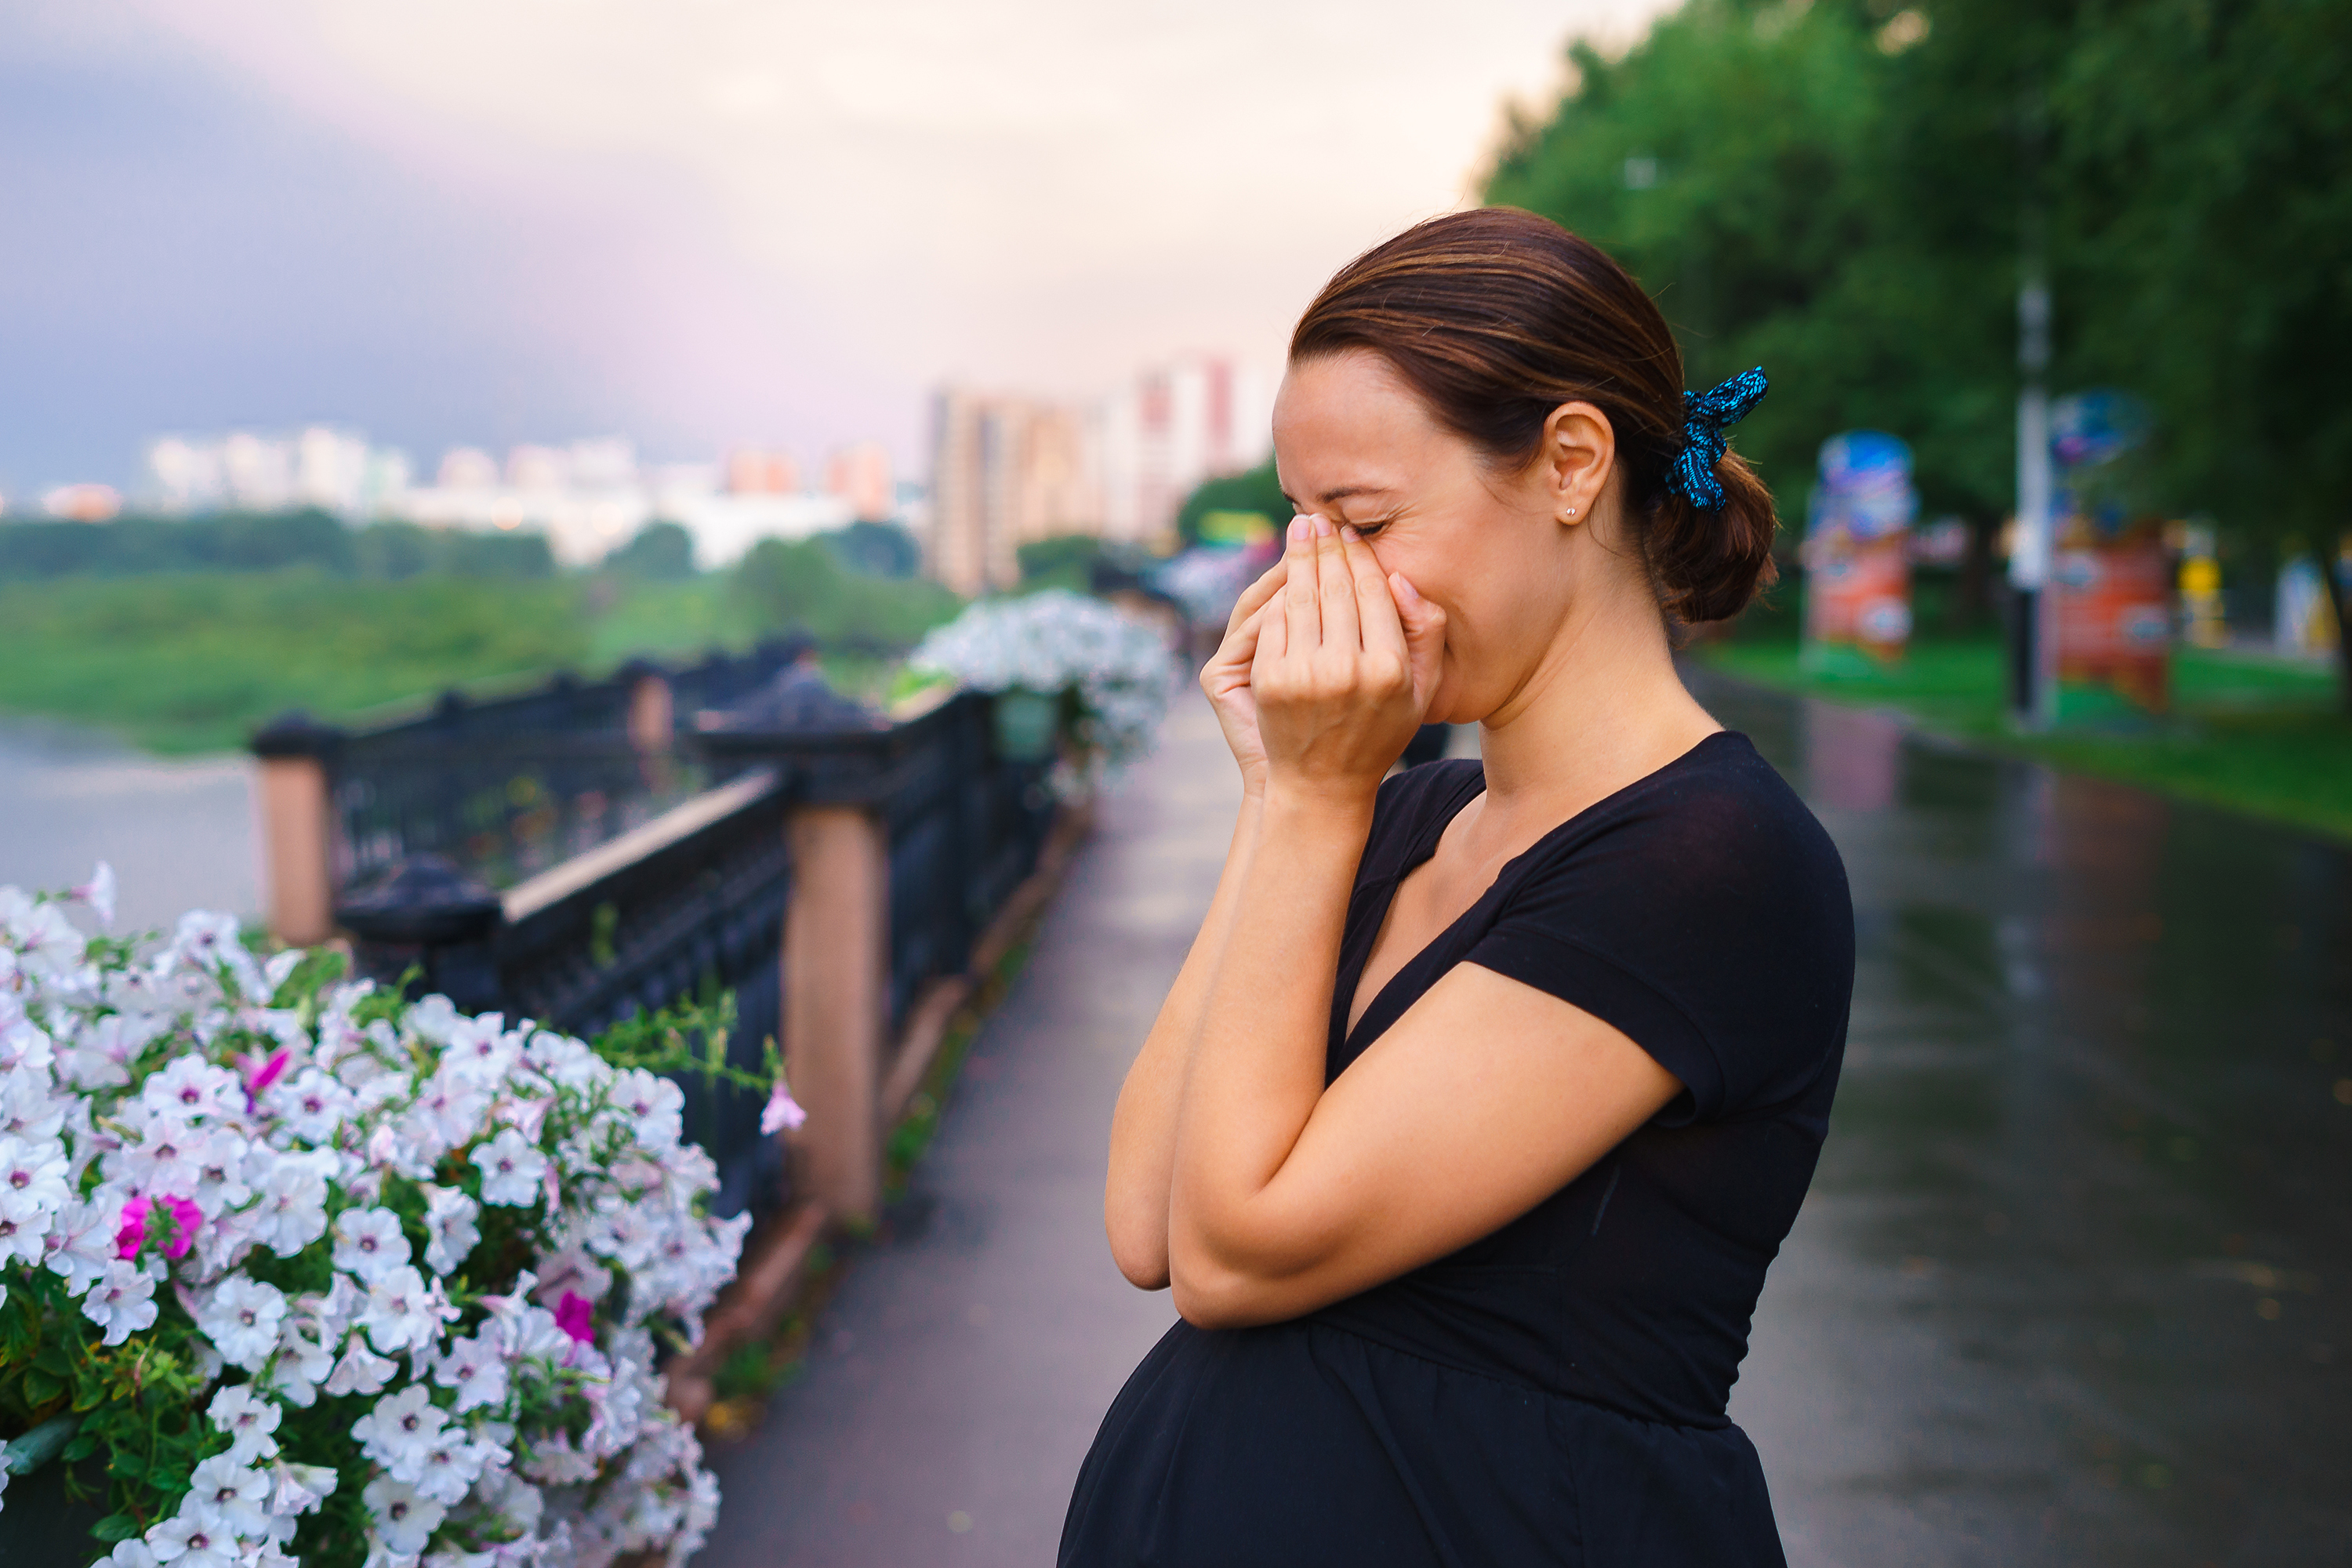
<point x="699" y="222"/>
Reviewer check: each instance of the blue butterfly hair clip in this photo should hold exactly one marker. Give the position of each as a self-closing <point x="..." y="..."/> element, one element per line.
<point x="1705" y="417"/>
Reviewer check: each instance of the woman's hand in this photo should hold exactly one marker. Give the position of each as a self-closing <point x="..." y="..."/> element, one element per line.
<point x="1226" y="677"/>
<point x="1344" y="664"/>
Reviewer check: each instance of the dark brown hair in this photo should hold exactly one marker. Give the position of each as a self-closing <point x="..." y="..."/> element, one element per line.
<point x="1495" y="318"/>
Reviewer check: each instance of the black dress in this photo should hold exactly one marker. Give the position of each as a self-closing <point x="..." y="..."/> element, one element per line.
<point x="1555" y="1392"/>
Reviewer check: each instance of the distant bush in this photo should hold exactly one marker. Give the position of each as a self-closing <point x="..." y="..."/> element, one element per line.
<point x="876" y="549"/>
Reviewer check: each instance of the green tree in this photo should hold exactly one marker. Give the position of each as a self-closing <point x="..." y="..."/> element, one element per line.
<point x="1256" y="489"/>
<point x="800" y="585"/>
<point x="2208" y="149"/>
<point x="661" y="552"/>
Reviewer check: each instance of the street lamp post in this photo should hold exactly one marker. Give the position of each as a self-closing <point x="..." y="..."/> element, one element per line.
<point x="2032" y="686"/>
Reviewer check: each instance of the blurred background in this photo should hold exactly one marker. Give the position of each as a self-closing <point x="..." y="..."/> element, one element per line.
<point x="378" y="361"/>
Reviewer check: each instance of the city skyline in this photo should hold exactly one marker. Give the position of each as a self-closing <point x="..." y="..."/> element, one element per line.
<point x="505" y="224"/>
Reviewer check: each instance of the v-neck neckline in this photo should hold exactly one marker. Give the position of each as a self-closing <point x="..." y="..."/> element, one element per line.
<point x="1473" y="786"/>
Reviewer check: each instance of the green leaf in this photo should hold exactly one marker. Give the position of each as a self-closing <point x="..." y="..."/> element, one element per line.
<point x="115" y="1527"/>
<point x="40" y="1387"/>
<point x="80" y="1448"/>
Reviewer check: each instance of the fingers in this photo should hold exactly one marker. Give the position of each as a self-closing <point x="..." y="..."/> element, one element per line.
<point x="1343" y="632"/>
<point x="1425" y="636"/>
<point x="1302" y="610"/>
<point x="1375" y="606"/>
<point x="1257" y="594"/>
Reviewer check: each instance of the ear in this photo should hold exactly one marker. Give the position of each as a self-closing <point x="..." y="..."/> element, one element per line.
<point x="1574" y="462"/>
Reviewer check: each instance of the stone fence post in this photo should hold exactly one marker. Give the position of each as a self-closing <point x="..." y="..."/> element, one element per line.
<point x="295" y="795"/>
<point x="836" y="964"/>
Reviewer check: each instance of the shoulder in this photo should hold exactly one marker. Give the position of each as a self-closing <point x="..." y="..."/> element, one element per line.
<point x="1706" y="912"/>
<point x="1410" y="803"/>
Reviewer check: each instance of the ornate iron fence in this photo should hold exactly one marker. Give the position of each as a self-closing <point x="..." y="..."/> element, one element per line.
<point x="695" y="899"/>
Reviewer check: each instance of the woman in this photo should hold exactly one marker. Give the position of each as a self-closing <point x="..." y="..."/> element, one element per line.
<point x="1466" y="1245"/>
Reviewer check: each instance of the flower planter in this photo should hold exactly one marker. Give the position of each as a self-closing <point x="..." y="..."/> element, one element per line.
<point x="1028" y="724"/>
<point x="40" y="1528"/>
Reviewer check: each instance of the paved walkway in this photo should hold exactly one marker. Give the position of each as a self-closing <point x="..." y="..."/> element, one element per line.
<point x="962" y="1370"/>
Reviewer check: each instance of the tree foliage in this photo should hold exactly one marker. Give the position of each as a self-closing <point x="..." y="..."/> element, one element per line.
<point x="800" y="585"/>
<point x="1842" y="191"/>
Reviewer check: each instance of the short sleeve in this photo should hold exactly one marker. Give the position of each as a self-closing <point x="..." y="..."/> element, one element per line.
<point x="1707" y="917"/>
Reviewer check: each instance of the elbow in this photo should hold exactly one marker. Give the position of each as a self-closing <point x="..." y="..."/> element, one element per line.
<point x="1144" y="1266"/>
<point x="1138" y="1247"/>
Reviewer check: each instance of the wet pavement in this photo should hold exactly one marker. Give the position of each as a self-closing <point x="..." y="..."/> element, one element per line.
<point x="2074" y="1285"/>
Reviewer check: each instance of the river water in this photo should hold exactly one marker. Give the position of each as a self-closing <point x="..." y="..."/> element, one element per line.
<point x="2074" y="1283"/>
<point x="179" y="832"/>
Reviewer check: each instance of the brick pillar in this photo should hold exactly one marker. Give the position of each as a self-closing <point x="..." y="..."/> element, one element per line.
<point x="297" y="827"/>
<point x="836" y="988"/>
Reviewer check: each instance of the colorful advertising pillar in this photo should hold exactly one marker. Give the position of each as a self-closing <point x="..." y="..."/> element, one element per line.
<point x="2111" y="576"/>
<point x="1856" y="555"/>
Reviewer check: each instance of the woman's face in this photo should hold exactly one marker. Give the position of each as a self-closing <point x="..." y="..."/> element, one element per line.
<point x="1352" y="442"/>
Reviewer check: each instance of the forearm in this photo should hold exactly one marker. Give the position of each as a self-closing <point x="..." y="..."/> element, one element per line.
<point x="1256" y="1072"/>
<point x="1143" y="1127"/>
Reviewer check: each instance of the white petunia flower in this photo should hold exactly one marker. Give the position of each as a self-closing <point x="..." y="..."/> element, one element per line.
<point x="228" y="1497"/>
<point x="183" y="1541"/>
<point x="405" y="1520"/>
<point x="131" y="1554"/>
<point x="248" y="1421"/>
<point x="399" y="1432"/>
<point x="367" y="1242"/>
<point x="191" y="1088"/>
<point x="474" y="1369"/>
<point x="303" y="1363"/>
<point x="450" y="1231"/>
<point x="121" y="1301"/>
<point x="402" y="1313"/>
<point x="300" y="1488"/>
<point x="511" y="1169"/>
<point x="241" y="1318"/>
<point x="32" y="1178"/>
<point x="360" y="1372"/>
<point x="654" y="1106"/>
<point x="292" y="1213"/>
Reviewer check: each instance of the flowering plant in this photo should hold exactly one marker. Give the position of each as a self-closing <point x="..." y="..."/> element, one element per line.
<point x="1117" y="667"/>
<point x="325" y="1276"/>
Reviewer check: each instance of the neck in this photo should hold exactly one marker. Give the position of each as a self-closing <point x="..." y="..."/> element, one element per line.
<point x="1603" y="708"/>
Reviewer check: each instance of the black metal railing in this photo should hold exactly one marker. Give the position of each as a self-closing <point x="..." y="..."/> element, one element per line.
<point x="507" y="787"/>
<point x="694" y="900"/>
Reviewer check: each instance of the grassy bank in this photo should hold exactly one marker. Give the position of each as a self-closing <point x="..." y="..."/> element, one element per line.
<point x="2255" y="735"/>
<point x="190" y="662"/>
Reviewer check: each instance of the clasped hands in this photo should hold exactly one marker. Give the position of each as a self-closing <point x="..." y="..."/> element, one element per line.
<point x="1326" y="667"/>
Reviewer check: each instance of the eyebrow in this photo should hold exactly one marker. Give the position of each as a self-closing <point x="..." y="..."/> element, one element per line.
<point x="1346" y="492"/>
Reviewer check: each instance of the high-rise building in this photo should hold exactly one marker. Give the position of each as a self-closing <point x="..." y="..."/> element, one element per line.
<point x="1005" y="471"/>
<point x="860" y="475"/>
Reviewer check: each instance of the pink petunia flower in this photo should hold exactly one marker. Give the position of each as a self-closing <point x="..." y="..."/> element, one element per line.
<point x="133" y="1233"/>
<point x="186" y="1218"/>
<point x="572" y="1315"/>
<point x="783" y="1113"/>
<point x="268" y="1072"/>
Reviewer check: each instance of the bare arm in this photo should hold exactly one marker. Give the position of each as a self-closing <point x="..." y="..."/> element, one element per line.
<point x="1487" y="1097"/>
<point x="1144" y="1128"/>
